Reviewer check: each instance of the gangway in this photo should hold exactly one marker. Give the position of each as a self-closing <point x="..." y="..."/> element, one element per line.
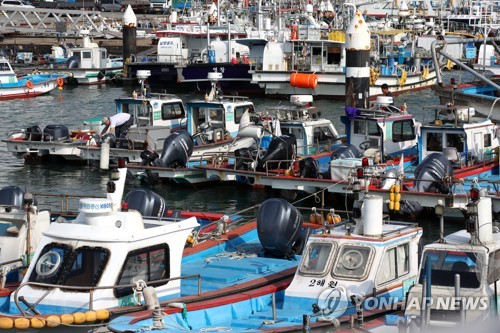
<point x="51" y="22"/>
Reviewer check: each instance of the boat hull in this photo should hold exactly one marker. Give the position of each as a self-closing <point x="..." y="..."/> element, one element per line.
<point x="332" y="84"/>
<point x="29" y="86"/>
<point x="465" y="95"/>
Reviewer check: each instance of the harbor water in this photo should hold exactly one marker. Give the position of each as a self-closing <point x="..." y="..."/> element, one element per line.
<point x="72" y="105"/>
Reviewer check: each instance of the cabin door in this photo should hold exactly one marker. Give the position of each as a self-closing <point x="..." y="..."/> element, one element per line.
<point x="478" y="146"/>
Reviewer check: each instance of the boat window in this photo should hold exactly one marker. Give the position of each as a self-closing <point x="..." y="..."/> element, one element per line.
<point x="403" y="131"/>
<point x="172" y="111"/>
<point x="353" y="262"/>
<point x="86" y="55"/>
<point x="296" y="131"/>
<point x="359" y="127"/>
<point x="494" y="267"/>
<point x="49" y="265"/>
<point x="323" y="133"/>
<point x="315" y="261"/>
<point x="394" y="264"/>
<point x="487" y="140"/>
<point x="455" y="140"/>
<point x="434" y="142"/>
<point x="445" y="264"/>
<point x="87" y="265"/>
<point x="373" y="128"/>
<point x="148" y="264"/>
<point x="103" y="54"/>
<point x="239" y="111"/>
<point x="77" y="54"/>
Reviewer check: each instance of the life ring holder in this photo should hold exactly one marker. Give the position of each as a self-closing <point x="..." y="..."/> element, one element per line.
<point x="60" y="81"/>
<point x="29" y="84"/>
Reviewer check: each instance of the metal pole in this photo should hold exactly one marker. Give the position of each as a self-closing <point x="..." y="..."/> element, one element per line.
<point x="274" y="306"/>
<point x="306" y="324"/>
<point x="458" y="300"/>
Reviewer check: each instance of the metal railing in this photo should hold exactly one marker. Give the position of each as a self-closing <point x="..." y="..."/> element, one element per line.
<point x="91" y="290"/>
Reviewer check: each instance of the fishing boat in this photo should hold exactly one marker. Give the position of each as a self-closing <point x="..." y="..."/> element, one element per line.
<point x="457" y="282"/>
<point x="344" y="269"/>
<point x="12" y="86"/>
<point x="212" y="133"/>
<point x="155" y="114"/>
<point x="147" y="255"/>
<point x="311" y="59"/>
<point x="90" y="64"/>
<point x="380" y="136"/>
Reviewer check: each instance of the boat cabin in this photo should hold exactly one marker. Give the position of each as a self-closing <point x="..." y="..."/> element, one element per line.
<point x="216" y="120"/>
<point x="364" y="257"/>
<point x="463" y="265"/>
<point x="88" y="55"/>
<point x="384" y="129"/>
<point x="7" y="74"/>
<point x="104" y="246"/>
<point x="313" y="133"/>
<point x="465" y="140"/>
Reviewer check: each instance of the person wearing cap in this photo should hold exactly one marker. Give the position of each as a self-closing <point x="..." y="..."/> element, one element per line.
<point x="117" y="124"/>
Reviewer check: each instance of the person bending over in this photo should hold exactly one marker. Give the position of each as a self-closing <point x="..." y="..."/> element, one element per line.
<point x="117" y="124"/>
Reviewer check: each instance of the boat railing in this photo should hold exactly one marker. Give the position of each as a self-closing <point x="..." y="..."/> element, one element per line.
<point x="68" y="203"/>
<point x="381" y="111"/>
<point x="90" y="290"/>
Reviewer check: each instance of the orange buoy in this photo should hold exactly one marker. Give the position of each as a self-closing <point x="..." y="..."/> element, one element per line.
<point x="60" y="81"/>
<point x="301" y="80"/>
<point x="29" y="84"/>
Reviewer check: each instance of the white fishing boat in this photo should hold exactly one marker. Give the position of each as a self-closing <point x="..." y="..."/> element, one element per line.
<point x="13" y="86"/>
<point x="155" y="114"/>
<point x="90" y="64"/>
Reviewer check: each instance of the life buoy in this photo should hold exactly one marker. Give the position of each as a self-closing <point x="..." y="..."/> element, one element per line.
<point x="60" y="81"/>
<point x="29" y="84"/>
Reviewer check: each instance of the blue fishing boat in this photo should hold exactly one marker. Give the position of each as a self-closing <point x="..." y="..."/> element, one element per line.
<point x="13" y="86"/>
<point x="135" y="252"/>
<point x="343" y="271"/>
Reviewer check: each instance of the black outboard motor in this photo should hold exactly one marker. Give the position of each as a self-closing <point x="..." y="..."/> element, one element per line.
<point x="345" y="151"/>
<point x="243" y="158"/>
<point x="430" y="173"/>
<point x="177" y="149"/>
<point x="34" y="133"/>
<point x="308" y="168"/>
<point x="146" y="202"/>
<point x="73" y="62"/>
<point x="280" y="148"/>
<point x="12" y="196"/>
<point x="55" y="133"/>
<point x="278" y="227"/>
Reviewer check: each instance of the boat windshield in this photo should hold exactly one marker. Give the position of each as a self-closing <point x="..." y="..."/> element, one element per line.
<point x="58" y="264"/>
<point x="444" y="265"/>
<point x="315" y="261"/>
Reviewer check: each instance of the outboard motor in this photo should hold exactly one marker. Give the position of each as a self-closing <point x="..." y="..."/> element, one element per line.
<point x="34" y="133"/>
<point x="430" y="173"/>
<point x="308" y="168"/>
<point x="55" y="133"/>
<point x="146" y="202"/>
<point x="11" y="196"/>
<point x="244" y="158"/>
<point x="278" y="227"/>
<point x="177" y="149"/>
<point x="73" y="62"/>
<point x="345" y="151"/>
<point x="280" y="148"/>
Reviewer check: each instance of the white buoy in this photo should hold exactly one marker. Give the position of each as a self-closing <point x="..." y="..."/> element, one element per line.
<point x="104" y="160"/>
<point x="484" y="220"/>
<point x="371" y="215"/>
